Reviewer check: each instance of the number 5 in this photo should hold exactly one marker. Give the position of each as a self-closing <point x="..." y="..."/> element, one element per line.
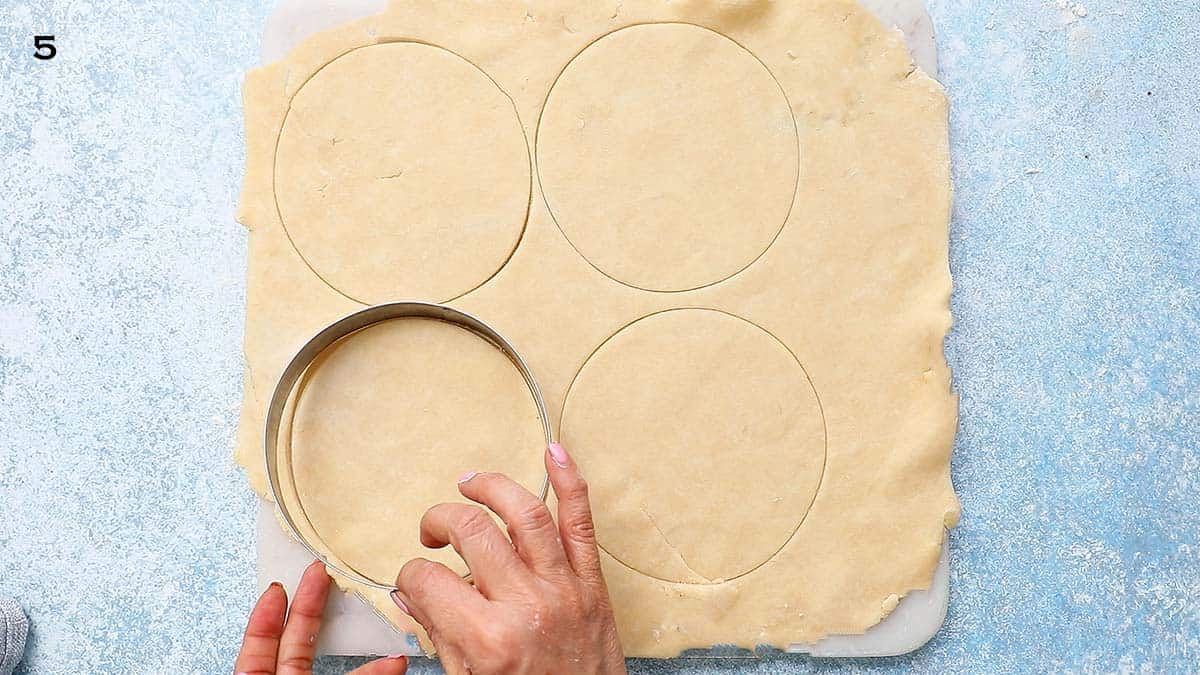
<point x="44" y="47"/>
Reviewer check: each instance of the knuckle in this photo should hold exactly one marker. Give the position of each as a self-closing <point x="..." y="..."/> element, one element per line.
<point x="542" y="607"/>
<point x="473" y="522"/>
<point x="297" y="662"/>
<point x="573" y="604"/>
<point x="577" y="489"/>
<point x="555" y="604"/>
<point x="534" y="517"/>
<point x="582" y="529"/>
<point x="587" y="603"/>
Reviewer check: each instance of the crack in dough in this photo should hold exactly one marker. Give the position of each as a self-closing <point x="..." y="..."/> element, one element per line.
<point x="674" y="548"/>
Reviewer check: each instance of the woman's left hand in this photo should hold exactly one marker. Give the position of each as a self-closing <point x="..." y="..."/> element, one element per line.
<point x="280" y="641"/>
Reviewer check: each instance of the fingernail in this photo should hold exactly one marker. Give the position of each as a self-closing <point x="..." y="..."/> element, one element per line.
<point x="558" y="455"/>
<point x="467" y="476"/>
<point x="400" y="603"/>
<point x="398" y="657"/>
<point x="275" y="584"/>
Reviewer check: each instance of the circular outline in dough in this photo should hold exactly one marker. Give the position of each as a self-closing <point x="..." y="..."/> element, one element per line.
<point x="820" y="411"/>
<point x="524" y="138"/>
<point x="795" y="131"/>
<point x="299" y="374"/>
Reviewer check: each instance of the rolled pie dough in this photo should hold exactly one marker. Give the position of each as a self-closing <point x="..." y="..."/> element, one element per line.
<point x="717" y="231"/>
<point x="364" y="463"/>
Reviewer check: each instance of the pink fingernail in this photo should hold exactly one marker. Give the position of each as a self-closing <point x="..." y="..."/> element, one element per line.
<point x="467" y="476"/>
<point x="398" y="657"/>
<point x="558" y="455"/>
<point x="400" y="603"/>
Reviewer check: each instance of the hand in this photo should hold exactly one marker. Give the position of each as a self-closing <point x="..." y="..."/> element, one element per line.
<point x="538" y="603"/>
<point x="273" y="646"/>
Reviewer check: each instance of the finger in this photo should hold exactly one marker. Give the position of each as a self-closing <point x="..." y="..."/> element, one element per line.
<point x="575" y="524"/>
<point x="530" y="525"/>
<point x="260" y="645"/>
<point x="392" y="665"/>
<point x="493" y="562"/>
<point x="298" y="645"/>
<point x="440" y="600"/>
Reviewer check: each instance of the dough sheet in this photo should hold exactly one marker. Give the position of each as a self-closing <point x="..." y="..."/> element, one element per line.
<point x="716" y="231"/>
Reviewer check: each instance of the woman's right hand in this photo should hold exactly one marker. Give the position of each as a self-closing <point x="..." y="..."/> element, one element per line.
<point x="539" y="603"/>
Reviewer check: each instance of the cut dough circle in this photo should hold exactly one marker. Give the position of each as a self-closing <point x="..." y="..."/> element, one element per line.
<point x="668" y="156"/>
<point x="402" y="172"/>
<point x="703" y="441"/>
<point x="366" y="467"/>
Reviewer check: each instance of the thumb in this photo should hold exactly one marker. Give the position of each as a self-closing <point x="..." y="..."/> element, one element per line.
<point x="391" y="665"/>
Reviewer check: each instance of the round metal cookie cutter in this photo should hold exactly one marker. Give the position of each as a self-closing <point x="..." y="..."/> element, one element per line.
<point x="342" y="328"/>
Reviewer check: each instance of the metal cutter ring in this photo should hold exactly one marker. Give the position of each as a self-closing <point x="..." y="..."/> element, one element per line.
<point x="344" y="327"/>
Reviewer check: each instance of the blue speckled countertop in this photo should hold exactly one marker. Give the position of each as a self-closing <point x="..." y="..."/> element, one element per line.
<point x="126" y="531"/>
